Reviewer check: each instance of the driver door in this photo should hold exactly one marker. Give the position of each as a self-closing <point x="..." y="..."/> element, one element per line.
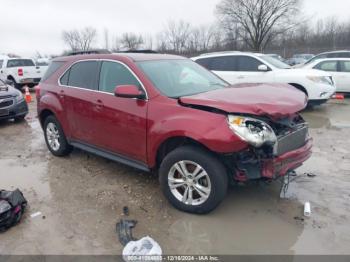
<point x="121" y="123"/>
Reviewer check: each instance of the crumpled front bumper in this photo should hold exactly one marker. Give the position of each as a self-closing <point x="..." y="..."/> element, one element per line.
<point x="281" y="165"/>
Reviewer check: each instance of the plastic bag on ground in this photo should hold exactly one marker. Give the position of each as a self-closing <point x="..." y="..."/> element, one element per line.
<point x="144" y="247"/>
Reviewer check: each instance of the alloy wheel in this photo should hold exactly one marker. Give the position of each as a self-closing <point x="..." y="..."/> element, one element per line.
<point x="189" y="183"/>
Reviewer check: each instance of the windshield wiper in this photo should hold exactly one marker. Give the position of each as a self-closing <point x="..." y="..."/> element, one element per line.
<point x="217" y="84"/>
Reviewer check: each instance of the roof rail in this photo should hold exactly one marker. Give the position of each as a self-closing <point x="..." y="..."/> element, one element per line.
<point x="90" y="52"/>
<point x="219" y="53"/>
<point x="140" y="51"/>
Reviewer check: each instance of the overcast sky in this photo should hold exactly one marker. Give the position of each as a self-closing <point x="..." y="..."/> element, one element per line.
<point x="28" y="26"/>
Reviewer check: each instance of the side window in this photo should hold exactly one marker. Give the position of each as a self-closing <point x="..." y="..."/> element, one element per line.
<point x="1" y="62"/>
<point x="53" y="67"/>
<point x="345" y="66"/>
<point x="64" y="78"/>
<point x="224" y="63"/>
<point x="114" y="74"/>
<point x="327" y="66"/>
<point x="204" y="62"/>
<point x="84" y="75"/>
<point x="248" y="64"/>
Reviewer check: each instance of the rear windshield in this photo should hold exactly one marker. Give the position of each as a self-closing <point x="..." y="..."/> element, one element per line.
<point x="20" y="63"/>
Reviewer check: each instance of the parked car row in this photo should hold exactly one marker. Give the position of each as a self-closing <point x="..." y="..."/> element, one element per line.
<point x="240" y="67"/>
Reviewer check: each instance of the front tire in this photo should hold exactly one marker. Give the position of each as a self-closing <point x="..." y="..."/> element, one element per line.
<point x="55" y="138"/>
<point x="193" y="180"/>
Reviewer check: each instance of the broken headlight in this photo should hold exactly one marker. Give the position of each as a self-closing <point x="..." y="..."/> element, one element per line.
<point x="255" y="132"/>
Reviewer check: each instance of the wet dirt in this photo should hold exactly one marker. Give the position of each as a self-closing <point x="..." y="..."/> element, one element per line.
<point x="81" y="197"/>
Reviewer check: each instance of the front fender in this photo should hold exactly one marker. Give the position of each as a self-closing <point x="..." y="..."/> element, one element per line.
<point x="207" y="128"/>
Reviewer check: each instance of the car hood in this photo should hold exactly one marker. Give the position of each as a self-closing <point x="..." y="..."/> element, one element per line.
<point x="272" y="100"/>
<point x="6" y="90"/>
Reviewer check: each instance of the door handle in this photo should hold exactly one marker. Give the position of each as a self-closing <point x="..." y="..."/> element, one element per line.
<point x="61" y="94"/>
<point x="99" y="104"/>
<point x="241" y="77"/>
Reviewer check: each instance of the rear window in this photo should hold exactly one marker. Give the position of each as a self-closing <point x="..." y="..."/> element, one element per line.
<point x="53" y="67"/>
<point x="221" y="63"/>
<point x="327" y="66"/>
<point x="20" y="63"/>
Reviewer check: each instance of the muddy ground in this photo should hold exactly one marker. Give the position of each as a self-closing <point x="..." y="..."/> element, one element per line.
<point x="81" y="198"/>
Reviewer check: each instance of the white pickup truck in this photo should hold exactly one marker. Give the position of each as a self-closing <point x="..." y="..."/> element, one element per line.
<point x="21" y="71"/>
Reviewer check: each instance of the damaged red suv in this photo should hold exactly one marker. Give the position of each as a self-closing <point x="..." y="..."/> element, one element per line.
<point x="168" y="115"/>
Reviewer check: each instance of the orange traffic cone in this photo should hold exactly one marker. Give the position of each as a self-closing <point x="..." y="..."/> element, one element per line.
<point x="27" y="95"/>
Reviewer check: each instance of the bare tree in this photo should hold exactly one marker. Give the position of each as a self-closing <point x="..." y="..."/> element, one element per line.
<point x="80" y="39"/>
<point x="258" y="21"/>
<point x="201" y="38"/>
<point x="131" y="41"/>
<point x="106" y="38"/>
<point x="176" y="35"/>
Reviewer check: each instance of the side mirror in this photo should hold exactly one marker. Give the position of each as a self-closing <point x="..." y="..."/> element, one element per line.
<point x="129" y="91"/>
<point x="263" y="68"/>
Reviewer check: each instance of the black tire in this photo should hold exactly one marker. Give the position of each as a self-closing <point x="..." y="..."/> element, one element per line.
<point x="211" y="165"/>
<point x="64" y="148"/>
<point x="15" y="85"/>
<point x="20" y="118"/>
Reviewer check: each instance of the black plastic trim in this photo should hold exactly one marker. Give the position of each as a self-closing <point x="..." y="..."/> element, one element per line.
<point x="111" y="156"/>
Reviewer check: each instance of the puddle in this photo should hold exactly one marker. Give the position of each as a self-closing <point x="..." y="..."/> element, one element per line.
<point x="21" y="174"/>
<point x="330" y="115"/>
<point x="241" y="225"/>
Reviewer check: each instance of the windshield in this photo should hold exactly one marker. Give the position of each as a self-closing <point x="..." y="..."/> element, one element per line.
<point x="20" y="63"/>
<point x="275" y="62"/>
<point x="177" y="78"/>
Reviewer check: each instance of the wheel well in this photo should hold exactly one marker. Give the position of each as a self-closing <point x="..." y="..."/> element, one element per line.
<point x="172" y="143"/>
<point x="11" y="78"/>
<point x="43" y="115"/>
<point x="300" y="87"/>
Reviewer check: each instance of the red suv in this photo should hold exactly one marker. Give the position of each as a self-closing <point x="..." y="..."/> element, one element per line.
<point x="169" y="115"/>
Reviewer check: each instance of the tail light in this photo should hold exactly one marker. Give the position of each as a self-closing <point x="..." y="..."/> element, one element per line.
<point x="20" y="72"/>
<point x="37" y="92"/>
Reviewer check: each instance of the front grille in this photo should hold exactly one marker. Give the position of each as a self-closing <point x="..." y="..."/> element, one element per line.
<point x="36" y="80"/>
<point x="6" y="103"/>
<point x="292" y="141"/>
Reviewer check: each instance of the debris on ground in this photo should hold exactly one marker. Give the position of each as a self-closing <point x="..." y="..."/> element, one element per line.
<point x="36" y="214"/>
<point x="311" y="175"/>
<point x="124" y="231"/>
<point x="144" y="247"/>
<point x="12" y="207"/>
<point x="307" y="209"/>
<point x="126" y="211"/>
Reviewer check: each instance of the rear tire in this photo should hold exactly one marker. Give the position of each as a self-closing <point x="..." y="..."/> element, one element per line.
<point x="55" y="138"/>
<point x="15" y="85"/>
<point x="20" y="118"/>
<point x="202" y="189"/>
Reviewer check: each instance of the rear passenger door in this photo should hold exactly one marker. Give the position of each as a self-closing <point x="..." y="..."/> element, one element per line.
<point x="79" y="91"/>
<point x="121" y="123"/>
<point x="331" y="66"/>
